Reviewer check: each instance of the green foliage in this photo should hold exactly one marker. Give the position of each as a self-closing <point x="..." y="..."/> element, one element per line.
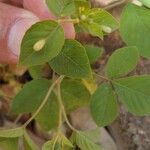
<point x="31" y="96"/>
<point x="146" y="3"/>
<point x="122" y="61"/>
<point x="134" y="92"/>
<point x="74" y="95"/>
<point x="9" y="143"/>
<point x="93" y="52"/>
<point x="48" y="116"/>
<point x="72" y="85"/>
<point x="61" y="7"/>
<point x="104" y="105"/>
<point x="94" y="134"/>
<point x="9" y="138"/>
<point x="11" y="133"/>
<point x="36" y="71"/>
<point x="84" y="142"/>
<point x="135" y="26"/>
<point x="42" y="42"/>
<point x="60" y="143"/>
<point x="97" y="22"/>
<point x="28" y="142"/>
<point x="72" y="61"/>
<point x="50" y="145"/>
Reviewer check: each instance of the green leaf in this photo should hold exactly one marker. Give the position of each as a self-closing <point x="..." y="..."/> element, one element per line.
<point x="74" y="95"/>
<point x="9" y="143"/>
<point x="146" y="3"/>
<point x="93" y="52"/>
<point x="61" y="7"/>
<point x="72" y="61"/>
<point x="65" y="143"/>
<point x="28" y="143"/>
<point x="58" y="143"/>
<point x="48" y="117"/>
<point x="11" y="133"/>
<point x="81" y="7"/>
<point x="122" y="61"/>
<point x="31" y="96"/>
<point x="93" y="28"/>
<point x="83" y="142"/>
<point x="104" y="19"/>
<point x="134" y="92"/>
<point x="135" y="27"/>
<point x="98" y="22"/>
<point x="104" y="107"/>
<point x="50" y="145"/>
<point x="94" y="134"/>
<point x="36" y="71"/>
<point x="42" y="42"/>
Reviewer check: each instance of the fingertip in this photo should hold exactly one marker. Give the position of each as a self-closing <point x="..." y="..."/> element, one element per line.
<point x="17" y="31"/>
<point x="39" y="8"/>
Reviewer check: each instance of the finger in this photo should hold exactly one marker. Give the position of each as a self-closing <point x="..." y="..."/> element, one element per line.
<point x="40" y="8"/>
<point x="13" y="24"/>
<point x="13" y="2"/>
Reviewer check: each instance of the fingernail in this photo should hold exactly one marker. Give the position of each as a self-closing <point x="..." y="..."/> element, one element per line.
<point x="18" y="29"/>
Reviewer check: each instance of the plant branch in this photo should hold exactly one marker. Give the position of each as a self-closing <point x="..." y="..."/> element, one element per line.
<point x="115" y="4"/>
<point x="63" y="108"/>
<point x="44" y="101"/>
<point x="103" y="77"/>
<point x="74" y="21"/>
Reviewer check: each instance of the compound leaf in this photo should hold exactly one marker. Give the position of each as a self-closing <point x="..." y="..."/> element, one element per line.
<point x="98" y="22"/>
<point x="134" y="92"/>
<point x="135" y="27"/>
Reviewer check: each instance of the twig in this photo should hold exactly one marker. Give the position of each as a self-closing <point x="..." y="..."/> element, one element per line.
<point x="63" y="108"/>
<point x="115" y="4"/>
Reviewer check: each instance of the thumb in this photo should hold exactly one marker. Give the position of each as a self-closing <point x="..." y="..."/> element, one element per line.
<point x="14" y="22"/>
<point x="40" y="8"/>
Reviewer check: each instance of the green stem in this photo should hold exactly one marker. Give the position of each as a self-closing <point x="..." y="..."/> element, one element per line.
<point x="74" y="21"/>
<point x="17" y="119"/>
<point x="115" y="4"/>
<point x="63" y="108"/>
<point x="55" y="142"/>
<point x="103" y="77"/>
<point x="60" y="104"/>
<point x="44" y="101"/>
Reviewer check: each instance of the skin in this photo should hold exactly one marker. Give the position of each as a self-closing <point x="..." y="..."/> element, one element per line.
<point x="16" y="16"/>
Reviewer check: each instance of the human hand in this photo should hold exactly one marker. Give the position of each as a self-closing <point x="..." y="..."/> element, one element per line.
<point x="16" y="16"/>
